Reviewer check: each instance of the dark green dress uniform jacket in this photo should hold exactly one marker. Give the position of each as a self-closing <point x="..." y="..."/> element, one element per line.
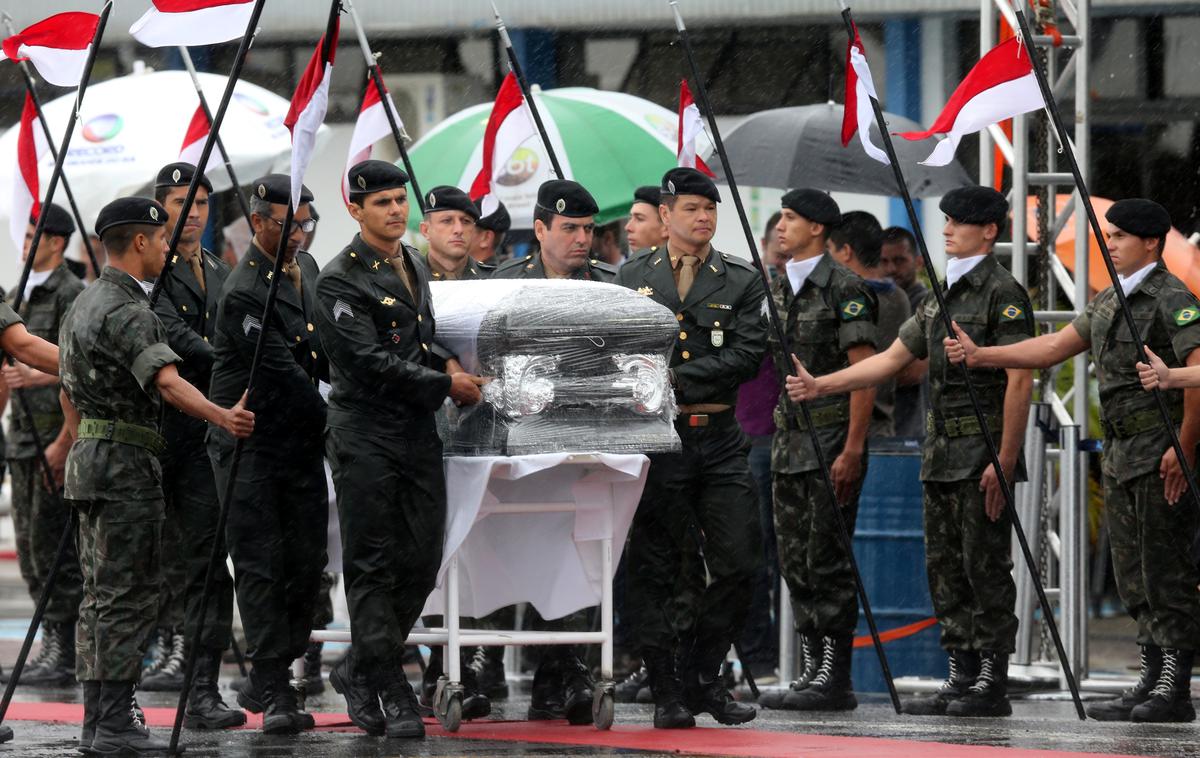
<point x="532" y="268"/>
<point x="474" y="271"/>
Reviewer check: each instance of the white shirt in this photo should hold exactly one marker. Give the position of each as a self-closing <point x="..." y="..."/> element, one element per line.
<point x="36" y="279"/>
<point x="1129" y="283"/>
<point x="799" y="271"/>
<point x="957" y="268"/>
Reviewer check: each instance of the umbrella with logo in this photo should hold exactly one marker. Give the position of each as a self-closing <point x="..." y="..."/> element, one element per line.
<point x="609" y="142"/>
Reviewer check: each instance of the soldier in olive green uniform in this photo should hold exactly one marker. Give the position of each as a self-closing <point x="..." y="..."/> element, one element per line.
<point x="376" y="319"/>
<point x="280" y="507"/>
<point x="39" y="514"/>
<point x="1151" y="519"/>
<point x="967" y="536"/>
<point x="831" y="314"/>
<point x="490" y="231"/>
<point x="700" y="500"/>
<point x="565" y="212"/>
<point x="116" y="370"/>
<point x="449" y="225"/>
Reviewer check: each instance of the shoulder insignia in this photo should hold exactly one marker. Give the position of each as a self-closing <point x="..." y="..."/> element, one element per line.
<point x="853" y="308"/>
<point x="1011" y="312"/>
<point x="714" y="268"/>
<point x="1185" y="316"/>
<point x="647" y="291"/>
<point x="340" y="308"/>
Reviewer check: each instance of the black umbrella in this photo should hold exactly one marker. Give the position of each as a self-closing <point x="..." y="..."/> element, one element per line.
<point x="802" y="147"/>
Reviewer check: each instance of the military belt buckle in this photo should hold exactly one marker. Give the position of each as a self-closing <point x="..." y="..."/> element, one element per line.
<point x="698" y="419"/>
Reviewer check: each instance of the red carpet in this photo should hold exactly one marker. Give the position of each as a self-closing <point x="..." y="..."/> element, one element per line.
<point x="750" y="743"/>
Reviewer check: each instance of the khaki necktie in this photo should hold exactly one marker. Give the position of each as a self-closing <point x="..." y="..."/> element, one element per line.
<point x="293" y="272"/>
<point x="401" y="267"/>
<point x="197" y="264"/>
<point x="688" y="264"/>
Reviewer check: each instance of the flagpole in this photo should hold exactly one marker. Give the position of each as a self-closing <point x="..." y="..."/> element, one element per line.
<point x="515" y="66"/>
<point x="1005" y="488"/>
<point x="376" y="78"/>
<point x="237" y="186"/>
<point x="785" y="349"/>
<point x="214" y="129"/>
<point x="39" y="228"/>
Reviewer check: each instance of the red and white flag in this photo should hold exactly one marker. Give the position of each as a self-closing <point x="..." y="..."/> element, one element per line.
<point x="57" y="46"/>
<point x="691" y="126"/>
<point x="193" y="141"/>
<point x="509" y="126"/>
<point x="31" y="147"/>
<point x="372" y="126"/>
<point x="309" y="104"/>
<point x="1001" y="85"/>
<point x="192" y="22"/>
<point x="858" y="113"/>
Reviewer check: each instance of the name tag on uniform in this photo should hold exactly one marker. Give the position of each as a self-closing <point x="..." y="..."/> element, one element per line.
<point x="718" y="337"/>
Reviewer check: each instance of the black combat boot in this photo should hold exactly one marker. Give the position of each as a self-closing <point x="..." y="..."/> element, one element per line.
<point x="1171" y="699"/>
<point x="627" y="690"/>
<point x="988" y="696"/>
<point x="578" y="688"/>
<point x="475" y="704"/>
<point x="1119" y="708"/>
<point x="401" y="714"/>
<point x="54" y="665"/>
<point x="283" y="714"/>
<point x="91" y="714"/>
<point x="811" y="648"/>
<point x="169" y="676"/>
<point x="119" y="732"/>
<point x="964" y="667"/>
<point x="831" y="688"/>
<point x="705" y="691"/>
<point x="205" y="708"/>
<point x="313" y="683"/>
<point x="488" y="663"/>
<point x="669" y="710"/>
<point x="362" y="702"/>
<point x="546" y="695"/>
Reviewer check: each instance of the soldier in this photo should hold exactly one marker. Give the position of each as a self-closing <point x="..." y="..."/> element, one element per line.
<point x="563" y="222"/>
<point x="39" y="513"/>
<point x="279" y="512"/>
<point x="645" y="229"/>
<point x="490" y="230"/>
<point x="1151" y="521"/>
<point x="116" y="370"/>
<point x="449" y="225"/>
<point x="831" y="315"/>
<point x="702" y="499"/>
<point x="967" y="535"/>
<point x="376" y="320"/>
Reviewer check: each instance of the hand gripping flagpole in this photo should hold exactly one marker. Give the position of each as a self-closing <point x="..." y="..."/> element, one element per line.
<point x="214" y="129"/>
<point x="1005" y="487"/>
<point x="31" y="88"/>
<point x="781" y="335"/>
<point x="39" y="228"/>
<point x="398" y="133"/>
<point x="515" y="66"/>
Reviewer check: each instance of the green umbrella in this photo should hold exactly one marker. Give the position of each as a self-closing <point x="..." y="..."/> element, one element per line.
<point x="609" y="142"/>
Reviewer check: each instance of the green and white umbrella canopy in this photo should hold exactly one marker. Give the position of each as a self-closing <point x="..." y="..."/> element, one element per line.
<point x="609" y="142"/>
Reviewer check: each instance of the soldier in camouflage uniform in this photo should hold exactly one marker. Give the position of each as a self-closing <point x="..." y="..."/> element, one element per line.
<point x="967" y="536"/>
<point x="116" y="370"/>
<point x="39" y="513"/>
<point x="1151" y="519"/>
<point x="830" y="313"/>
<point x="449" y="225"/>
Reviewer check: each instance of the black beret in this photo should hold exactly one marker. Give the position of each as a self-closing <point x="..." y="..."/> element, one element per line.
<point x="446" y="198"/>
<point x="180" y="175"/>
<point x="689" y="181"/>
<point x="650" y="195"/>
<point x="375" y="176"/>
<point x="1140" y="217"/>
<point x="277" y="189"/>
<point x="58" y="221"/>
<point x="814" y="205"/>
<point x="497" y="221"/>
<point x="975" y="205"/>
<point x="130" y="210"/>
<point x="566" y="198"/>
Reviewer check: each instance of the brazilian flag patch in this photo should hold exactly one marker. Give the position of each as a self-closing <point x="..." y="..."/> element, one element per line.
<point x="1011" y="312"/>
<point x="1185" y="316"/>
<point x="852" y="309"/>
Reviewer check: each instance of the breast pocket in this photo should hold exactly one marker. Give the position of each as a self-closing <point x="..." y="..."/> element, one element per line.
<point x="43" y="322"/>
<point x="1143" y="318"/>
<point x="816" y="328"/>
<point x="714" y="328"/>
<point x="975" y="325"/>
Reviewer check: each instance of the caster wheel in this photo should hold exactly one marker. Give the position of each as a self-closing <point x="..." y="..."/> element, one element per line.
<point x="448" y="705"/>
<point x="603" y="705"/>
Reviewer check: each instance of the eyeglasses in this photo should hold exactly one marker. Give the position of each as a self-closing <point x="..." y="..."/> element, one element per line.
<point x="308" y="225"/>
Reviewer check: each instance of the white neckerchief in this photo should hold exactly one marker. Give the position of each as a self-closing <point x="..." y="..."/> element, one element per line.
<point x="36" y="278"/>
<point x="957" y="268"/>
<point x="1129" y="283"/>
<point x="799" y="271"/>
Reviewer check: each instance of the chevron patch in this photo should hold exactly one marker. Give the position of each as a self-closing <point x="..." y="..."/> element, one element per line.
<point x="249" y="323"/>
<point x="340" y="308"/>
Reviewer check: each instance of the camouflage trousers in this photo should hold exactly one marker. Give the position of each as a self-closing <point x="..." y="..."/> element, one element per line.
<point x="39" y="519"/>
<point x="968" y="562"/>
<point x="119" y="552"/>
<point x="812" y="560"/>
<point x="1151" y="554"/>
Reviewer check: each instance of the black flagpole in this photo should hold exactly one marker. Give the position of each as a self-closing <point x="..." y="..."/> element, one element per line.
<point x="781" y="335"/>
<point x="515" y="65"/>
<point x="377" y="81"/>
<point x="1009" y="507"/>
<point x="214" y="129"/>
<point x="1094" y="223"/>
<point x="5" y="731"/>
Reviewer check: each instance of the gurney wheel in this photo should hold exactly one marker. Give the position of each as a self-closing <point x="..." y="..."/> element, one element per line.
<point x="602" y="708"/>
<point x="448" y="706"/>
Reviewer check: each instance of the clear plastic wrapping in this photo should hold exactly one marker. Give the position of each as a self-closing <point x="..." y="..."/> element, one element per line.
<point x="574" y="366"/>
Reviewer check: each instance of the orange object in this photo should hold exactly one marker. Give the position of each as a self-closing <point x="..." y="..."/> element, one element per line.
<point x="1182" y="257"/>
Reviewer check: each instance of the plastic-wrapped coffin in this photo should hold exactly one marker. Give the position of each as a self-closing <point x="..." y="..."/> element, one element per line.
<point x="574" y="366"/>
